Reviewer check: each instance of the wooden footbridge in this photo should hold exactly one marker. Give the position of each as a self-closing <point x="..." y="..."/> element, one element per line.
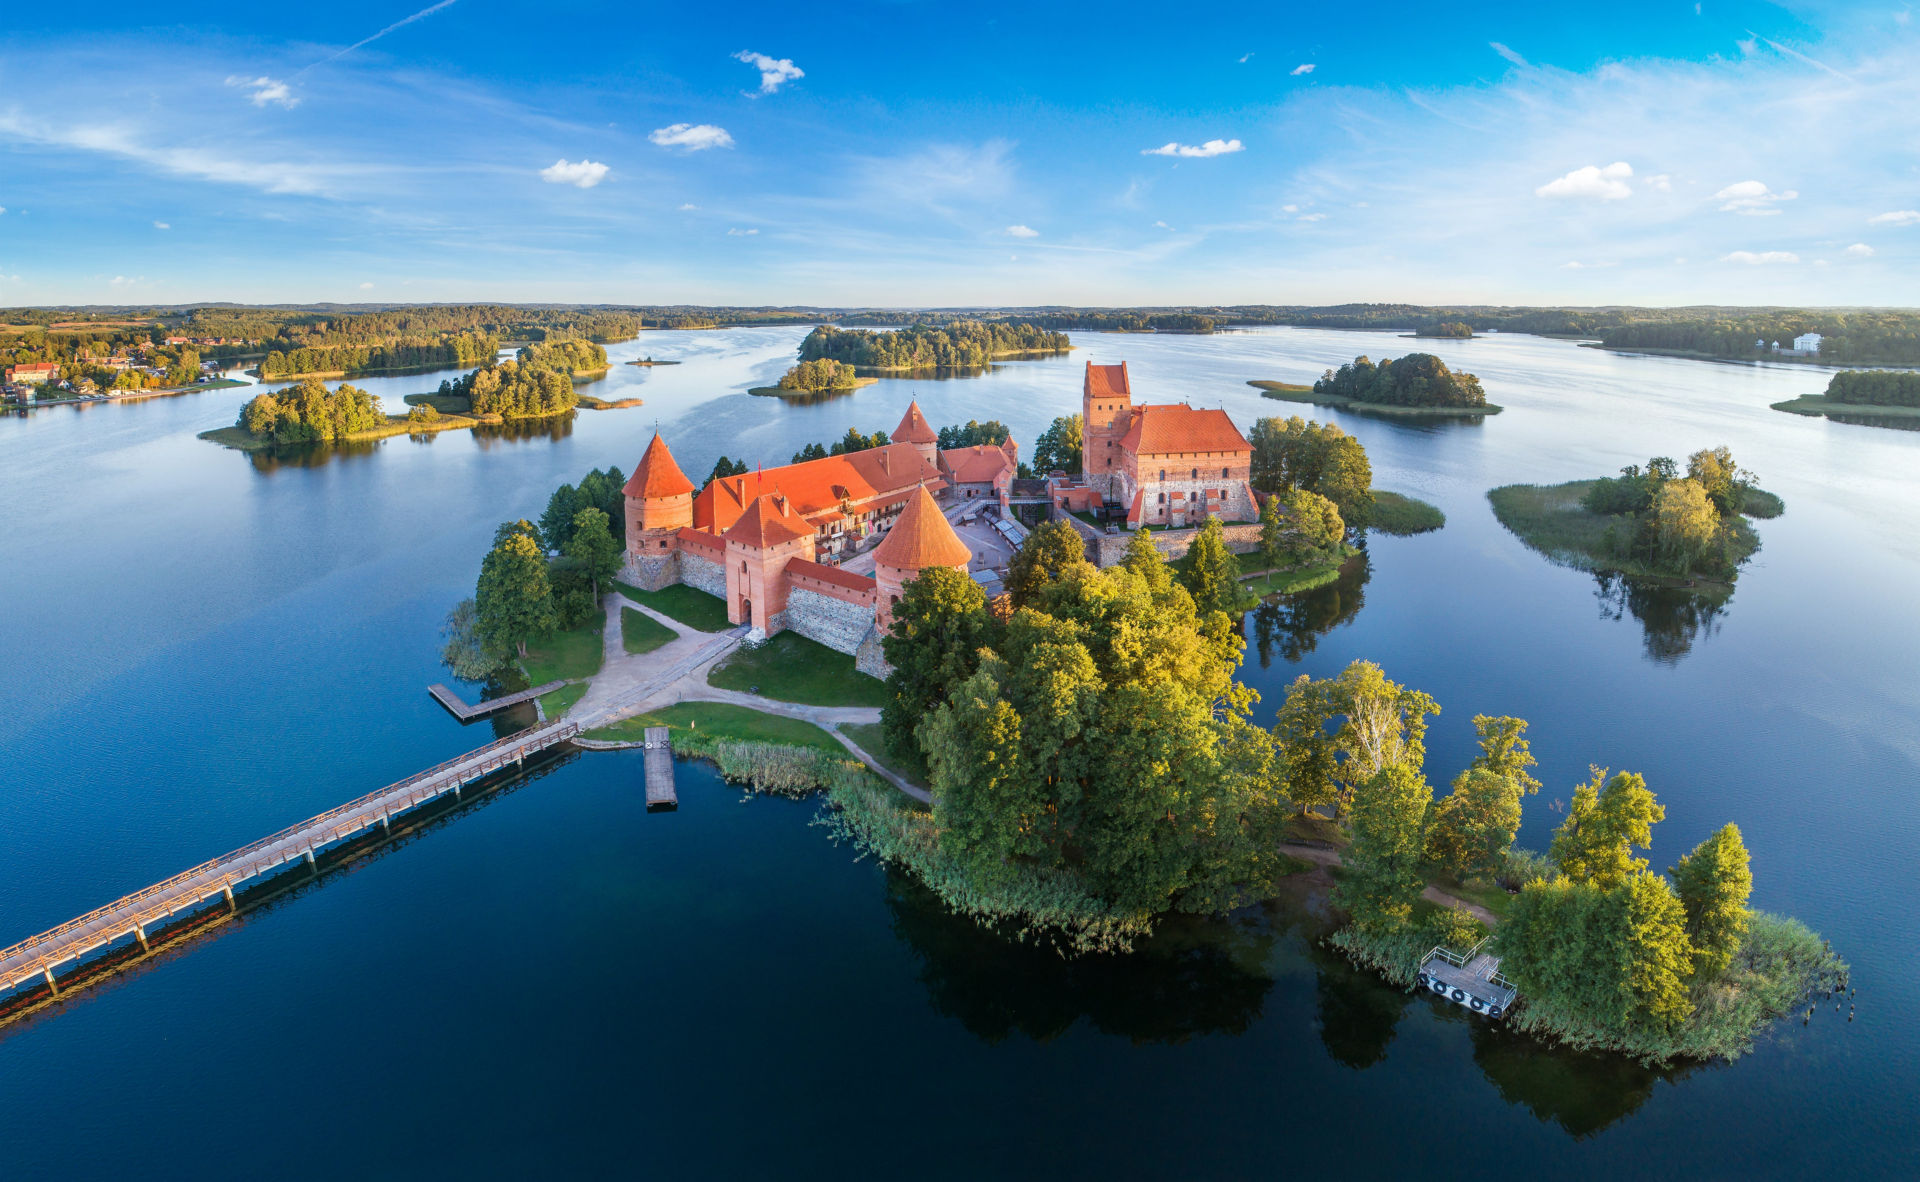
<point x="466" y="713"/>
<point x="130" y="917"/>
<point x="659" y="770"/>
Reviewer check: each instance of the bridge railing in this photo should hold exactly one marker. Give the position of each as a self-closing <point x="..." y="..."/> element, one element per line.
<point x="561" y="732"/>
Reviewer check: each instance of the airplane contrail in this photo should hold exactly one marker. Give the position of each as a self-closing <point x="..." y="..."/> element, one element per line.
<point x="421" y="15"/>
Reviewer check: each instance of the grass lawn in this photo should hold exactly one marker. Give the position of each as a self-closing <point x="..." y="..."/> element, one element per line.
<point x="641" y="633"/>
<point x="716" y="721"/>
<point x="689" y="605"/>
<point x="1401" y="515"/>
<point x="1492" y="896"/>
<point x="1318" y="830"/>
<point x="791" y="668"/>
<point x="1550" y="518"/>
<point x="872" y="739"/>
<point x="1288" y="582"/>
<point x="567" y="655"/>
<point x="560" y="701"/>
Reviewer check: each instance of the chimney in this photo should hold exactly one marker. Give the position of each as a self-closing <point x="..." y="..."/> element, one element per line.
<point x="884" y="466"/>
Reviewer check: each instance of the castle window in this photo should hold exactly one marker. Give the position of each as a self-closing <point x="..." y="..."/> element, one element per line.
<point x="743" y="566"/>
<point x="1163" y="498"/>
<point x="1196" y="474"/>
<point x="1223" y="473"/>
<point x="663" y="543"/>
<point x="1163" y="473"/>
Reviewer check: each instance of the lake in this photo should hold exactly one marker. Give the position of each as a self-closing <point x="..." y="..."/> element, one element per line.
<point x="204" y="646"/>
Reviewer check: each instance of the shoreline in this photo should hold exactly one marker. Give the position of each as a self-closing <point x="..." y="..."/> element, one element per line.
<point x="1534" y="513"/>
<point x="1295" y="392"/>
<point x="782" y="392"/>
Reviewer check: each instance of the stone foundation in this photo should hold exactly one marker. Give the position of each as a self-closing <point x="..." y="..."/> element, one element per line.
<point x="868" y="658"/>
<point x="1109" y="549"/>
<point x="698" y="572"/>
<point x="836" y="623"/>
<point x="651" y="572"/>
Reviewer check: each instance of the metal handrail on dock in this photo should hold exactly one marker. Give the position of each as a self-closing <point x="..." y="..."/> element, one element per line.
<point x="130" y="914"/>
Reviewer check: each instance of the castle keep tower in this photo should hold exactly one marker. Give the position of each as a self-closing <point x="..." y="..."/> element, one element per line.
<point x="759" y="546"/>
<point x="659" y="505"/>
<point x="920" y="539"/>
<point x="1106" y="409"/>
<point x="915" y="429"/>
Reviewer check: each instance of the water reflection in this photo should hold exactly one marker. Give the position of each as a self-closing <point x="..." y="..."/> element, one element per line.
<point x="1193" y="977"/>
<point x="1357" y="1010"/>
<point x="1673" y="617"/>
<point x="1581" y="1092"/>
<point x="487" y="435"/>
<point x="1295" y="623"/>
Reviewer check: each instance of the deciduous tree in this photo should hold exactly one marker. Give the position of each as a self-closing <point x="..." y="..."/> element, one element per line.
<point x="1383" y="865"/>
<point x="1606" y="821"/>
<point x="1473" y="826"/>
<point x="1714" y="882"/>
<point x="514" y="601"/>
<point x="1050" y="552"/>
<point x="593" y="547"/>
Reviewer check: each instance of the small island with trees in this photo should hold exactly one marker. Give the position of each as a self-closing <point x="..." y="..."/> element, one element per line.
<point x="1647" y="523"/>
<point x="1446" y="329"/>
<point x="962" y="344"/>
<point x="1417" y="384"/>
<point x="1868" y="398"/>
<point x="821" y="376"/>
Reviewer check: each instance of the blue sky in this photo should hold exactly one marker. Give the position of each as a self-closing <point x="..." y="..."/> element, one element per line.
<point x="920" y="154"/>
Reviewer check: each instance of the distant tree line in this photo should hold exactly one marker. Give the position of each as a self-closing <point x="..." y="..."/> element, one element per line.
<point x="1445" y="328"/>
<point x="568" y="355"/>
<point x="1878" y="387"/>
<point x="1848" y="338"/>
<point x="1418" y="379"/>
<point x="411" y="353"/>
<point x="964" y="343"/>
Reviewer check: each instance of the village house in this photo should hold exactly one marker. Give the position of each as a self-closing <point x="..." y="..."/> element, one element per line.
<point x="769" y="543"/>
<point x="32" y="373"/>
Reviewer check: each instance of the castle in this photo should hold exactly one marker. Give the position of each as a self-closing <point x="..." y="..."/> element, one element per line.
<point x="757" y="540"/>
<point x="1169" y="466"/>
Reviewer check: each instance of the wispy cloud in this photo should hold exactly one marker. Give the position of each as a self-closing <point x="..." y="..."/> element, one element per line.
<point x="694" y="137"/>
<point x="366" y="41"/>
<point x="258" y="172"/>
<point x="1796" y="55"/>
<point x="1210" y="148"/>
<point x="1593" y="181"/>
<point x="584" y="174"/>
<point x="366" y="287"/>
<point x="1022" y="232"/>
<point x="1758" y="258"/>
<point x="162" y="226"/>
<point x="1859" y="250"/>
<point x="1509" y="54"/>
<point x="774" y="72"/>
<point x="1302" y="68"/>
<point x="1245" y="58"/>
<point x="737" y="232"/>
<point x="1897" y="217"/>
<point x="1311" y="217"/>
<point x="688" y="207"/>
<point x="1752" y="198"/>
<point x="264" y="91"/>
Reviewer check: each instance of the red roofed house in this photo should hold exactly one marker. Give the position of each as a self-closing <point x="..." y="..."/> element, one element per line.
<point x="984" y="470"/>
<point x="757" y="540"/>
<point x="33" y="372"/>
<point x="1169" y="464"/>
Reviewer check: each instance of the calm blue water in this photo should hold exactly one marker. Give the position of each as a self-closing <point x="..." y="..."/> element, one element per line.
<point x="202" y="647"/>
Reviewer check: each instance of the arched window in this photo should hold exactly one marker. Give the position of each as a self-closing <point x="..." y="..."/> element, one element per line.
<point x="1196" y="474"/>
<point x="1223" y="473"/>
<point x="1163" y="473"/>
<point x="743" y="566"/>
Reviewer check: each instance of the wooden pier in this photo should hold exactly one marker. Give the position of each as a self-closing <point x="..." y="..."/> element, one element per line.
<point x="36" y="958"/>
<point x="660" y="793"/>
<point x="1472" y="979"/>
<point x="466" y="713"/>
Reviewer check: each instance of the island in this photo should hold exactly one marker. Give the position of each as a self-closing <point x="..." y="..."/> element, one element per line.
<point x="648" y="361"/>
<point x="1867" y="398"/>
<point x="1449" y="329"/>
<point x="1417" y="384"/>
<point x="962" y="344"/>
<point x="810" y="378"/>
<point x="1648" y="523"/>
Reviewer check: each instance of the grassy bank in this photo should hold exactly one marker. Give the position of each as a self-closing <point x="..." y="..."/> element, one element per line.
<point x="565" y="656"/>
<point x="697" y="726"/>
<point x="1291" y="582"/>
<point x="689" y="605"/>
<point x="791" y="668"/>
<point x="641" y="633"/>
<point x="1402" y="516"/>
<point x="1294" y="392"/>
<point x="1860" y="414"/>
<point x="560" y="701"/>
<point x="241" y="439"/>
<point x="1549" y="518"/>
<point x="871" y="737"/>
<point x="781" y="392"/>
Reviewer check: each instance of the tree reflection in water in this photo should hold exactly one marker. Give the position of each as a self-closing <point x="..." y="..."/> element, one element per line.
<point x="1295" y="623"/>
<point x="1582" y="1092"/>
<point x="313" y="455"/>
<point x="1673" y="617"/>
<point x="1358" y="1011"/>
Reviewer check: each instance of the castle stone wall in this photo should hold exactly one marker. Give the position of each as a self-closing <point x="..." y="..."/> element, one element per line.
<point x="650" y="572"/>
<point x="837" y="623"/>
<point x="868" y="658"/>
<point x="1109" y="549"/>
<point x="703" y="573"/>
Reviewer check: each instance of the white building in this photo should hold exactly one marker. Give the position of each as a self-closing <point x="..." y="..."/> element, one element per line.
<point x="1807" y="342"/>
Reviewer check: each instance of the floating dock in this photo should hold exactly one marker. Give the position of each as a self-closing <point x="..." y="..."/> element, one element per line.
<point x="1472" y="980"/>
<point x="660" y="793"/>
<point x="466" y="713"/>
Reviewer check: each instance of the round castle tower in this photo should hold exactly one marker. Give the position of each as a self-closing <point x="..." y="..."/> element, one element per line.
<point x="659" y="501"/>
<point x="920" y="539"/>
<point x="915" y="429"/>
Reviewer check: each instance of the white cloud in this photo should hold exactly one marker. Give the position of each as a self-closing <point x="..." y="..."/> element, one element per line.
<point x="1751" y="198"/>
<point x="366" y="287"/>
<point x="1859" y="250"/>
<point x="693" y="137"/>
<point x="265" y="90"/>
<point x="1662" y="182"/>
<point x="123" y="281"/>
<point x="1312" y="217"/>
<point x="1290" y="208"/>
<point x="584" y="174"/>
<point x="1302" y="68"/>
<point x="774" y="72"/>
<point x="1163" y="225"/>
<point x="1022" y="232"/>
<point x="1898" y="217"/>
<point x="1606" y="184"/>
<point x="3" y="209"/>
<point x="162" y="226"/>
<point x="736" y="232"/>
<point x="268" y="175"/>
<point x="1210" y="148"/>
<point x="1766" y="256"/>
<point x="1509" y="54"/>
<point x="688" y="206"/>
<point x="1245" y="58"/>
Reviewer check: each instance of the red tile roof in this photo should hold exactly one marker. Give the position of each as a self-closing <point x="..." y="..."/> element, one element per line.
<point x="1133" y="512"/>
<point x="979" y="464"/>
<point x="657" y="474"/>
<point x="829" y="574"/>
<point x="1168" y="430"/>
<point x="769" y="521"/>
<point x="816" y="485"/>
<point x="914" y="427"/>
<point x="702" y="539"/>
<point x="1107" y="381"/>
<point x="921" y="538"/>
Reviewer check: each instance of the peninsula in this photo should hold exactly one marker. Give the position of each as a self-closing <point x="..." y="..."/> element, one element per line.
<point x="1868" y="398"/>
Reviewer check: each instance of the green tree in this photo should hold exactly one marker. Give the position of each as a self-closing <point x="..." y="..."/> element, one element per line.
<point x="939" y="627"/>
<point x="593" y="547"/>
<point x="1383" y="873"/>
<point x="464" y="655"/>
<point x="1473" y="826"/>
<point x="1659" y="959"/>
<point x="1050" y="553"/>
<point x="1716" y="473"/>
<point x="1143" y="558"/>
<point x="1305" y="745"/>
<point x="1685" y="524"/>
<point x="724" y="467"/>
<point x="1317" y="526"/>
<point x="991" y="810"/>
<point x="556" y="524"/>
<point x="1385" y="725"/>
<point x="1504" y="750"/>
<point x="1059" y="446"/>
<point x="1211" y="574"/>
<point x="1606" y="821"/>
<point x="1714" y="882"/>
<point x="259" y="415"/>
<point x="514" y="601"/>
<point x="1273" y="533"/>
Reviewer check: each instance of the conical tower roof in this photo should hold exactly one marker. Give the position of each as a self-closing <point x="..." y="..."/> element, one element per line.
<point x="913" y="427"/>
<point x="921" y="538"/>
<point x="769" y="521"/>
<point x="657" y="474"/>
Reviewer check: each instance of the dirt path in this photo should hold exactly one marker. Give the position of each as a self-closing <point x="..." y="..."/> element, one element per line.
<point x="1323" y="857"/>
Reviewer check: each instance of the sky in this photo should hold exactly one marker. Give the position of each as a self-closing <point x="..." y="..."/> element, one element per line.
<point x="915" y="154"/>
